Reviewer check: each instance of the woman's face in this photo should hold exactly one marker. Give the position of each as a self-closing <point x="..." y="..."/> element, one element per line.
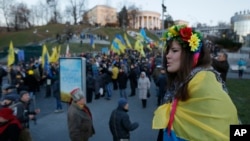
<point x="174" y="57"/>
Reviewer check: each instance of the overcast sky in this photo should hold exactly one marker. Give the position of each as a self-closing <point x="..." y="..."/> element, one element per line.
<point x="204" y="11"/>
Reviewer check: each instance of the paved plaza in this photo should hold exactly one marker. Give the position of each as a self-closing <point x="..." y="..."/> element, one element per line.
<point x="53" y="126"/>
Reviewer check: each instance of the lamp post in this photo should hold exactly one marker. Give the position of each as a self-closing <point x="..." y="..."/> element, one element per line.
<point x="35" y="34"/>
<point x="164" y="9"/>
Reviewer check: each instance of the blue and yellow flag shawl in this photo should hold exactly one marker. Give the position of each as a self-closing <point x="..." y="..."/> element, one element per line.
<point x="206" y="115"/>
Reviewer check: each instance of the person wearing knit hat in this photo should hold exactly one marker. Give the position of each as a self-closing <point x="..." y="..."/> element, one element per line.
<point x="10" y="127"/>
<point x="119" y="122"/>
<point x="122" y="103"/>
<point x="23" y="93"/>
<point x="9" y="93"/>
<point x="79" y="116"/>
<point x="7" y="101"/>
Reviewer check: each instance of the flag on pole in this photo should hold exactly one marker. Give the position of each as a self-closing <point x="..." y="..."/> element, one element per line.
<point x="11" y="54"/>
<point x="67" y="51"/>
<point x="127" y="41"/>
<point x="44" y="54"/>
<point x="20" y="55"/>
<point x="119" y="37"/>
<point x="45" y="61"/>
<point x="122" y="46"/>
<point x="53" y="57"/>
<point x="92" y="43"/>
<point x="143" y="33"/>
<point x="139" y="48"/>
<point x="115" y="47"/>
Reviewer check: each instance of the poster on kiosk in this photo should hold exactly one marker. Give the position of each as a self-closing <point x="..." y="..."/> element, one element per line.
<point x="72" y="75"/>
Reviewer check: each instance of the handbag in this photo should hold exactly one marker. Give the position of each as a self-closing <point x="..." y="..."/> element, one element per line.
<point x="148" y="93"/>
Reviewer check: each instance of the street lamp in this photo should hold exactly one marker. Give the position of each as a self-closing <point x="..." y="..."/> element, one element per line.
<point x="164" y="9"/>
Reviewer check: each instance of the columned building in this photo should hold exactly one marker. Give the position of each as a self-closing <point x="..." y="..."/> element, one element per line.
<point x="146" y="19"/>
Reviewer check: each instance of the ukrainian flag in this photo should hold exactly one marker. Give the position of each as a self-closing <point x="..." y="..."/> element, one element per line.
<point x="127" y="41"/>
<point x="205" y="116"/>
<point x="139" y="48"/>
<point x="92" y="43"/>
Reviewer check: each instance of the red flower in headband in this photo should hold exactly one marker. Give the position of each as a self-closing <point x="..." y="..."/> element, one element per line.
<point x="186" y="33"/>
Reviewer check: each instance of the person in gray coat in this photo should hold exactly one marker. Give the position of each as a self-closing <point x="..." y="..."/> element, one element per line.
<point x="143" y="87"/>
<point x="80" y="123"/>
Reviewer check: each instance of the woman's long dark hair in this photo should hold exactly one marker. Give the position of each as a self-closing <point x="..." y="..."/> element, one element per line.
<point x="186" y="67"/>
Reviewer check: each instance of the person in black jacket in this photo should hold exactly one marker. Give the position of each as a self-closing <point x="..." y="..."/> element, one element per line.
<point x="161" y="83"/>
<point x="133" y="80"/>
<point x="119" y="122"/>
<point x="122" y="83"/>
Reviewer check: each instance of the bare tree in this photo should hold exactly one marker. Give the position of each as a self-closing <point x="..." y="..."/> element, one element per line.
<point x="40" y="13"/>
<point x="5" y="7"/>
<point x="20" y="15"/>
<point x="76" y="9"/>
<point x="133" y="12"/>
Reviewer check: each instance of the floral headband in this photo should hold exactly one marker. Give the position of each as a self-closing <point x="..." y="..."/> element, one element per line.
<point x="185" y="35"/>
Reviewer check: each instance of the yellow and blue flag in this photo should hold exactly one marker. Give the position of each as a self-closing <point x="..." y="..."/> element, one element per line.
<point x="143" y="34"/>
<point x="206" y="115"/>
<point x="139" y="47"/>
<point x="127" y="41"/>
<point x="92" y="43"/>
<point x="45" y="61"/>
<point x="115" y="47"/>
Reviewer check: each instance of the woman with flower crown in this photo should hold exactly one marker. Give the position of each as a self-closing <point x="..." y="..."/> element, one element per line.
<point x="197" y="103"/>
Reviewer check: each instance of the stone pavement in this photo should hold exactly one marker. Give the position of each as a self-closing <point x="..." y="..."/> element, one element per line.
<point x="53" y="126"/>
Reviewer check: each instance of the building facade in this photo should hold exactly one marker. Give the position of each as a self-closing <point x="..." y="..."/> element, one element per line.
<point x="146" y="19"/>
<point x="241" y="24"/>
<point x="102" y="14"/>
<point x="181" y="22"/>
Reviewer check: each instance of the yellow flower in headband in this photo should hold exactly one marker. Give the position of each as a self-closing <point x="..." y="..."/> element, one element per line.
<point x="194" y="42"/>
<point x="172" y="32"/>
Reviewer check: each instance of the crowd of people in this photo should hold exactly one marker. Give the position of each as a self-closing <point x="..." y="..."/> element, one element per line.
<point x="190" y="89"/>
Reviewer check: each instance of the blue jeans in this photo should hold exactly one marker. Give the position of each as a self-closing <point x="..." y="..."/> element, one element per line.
<point x="108" y="88"/>
<point x="58" y="104"/>
<point x="123" y="93"/>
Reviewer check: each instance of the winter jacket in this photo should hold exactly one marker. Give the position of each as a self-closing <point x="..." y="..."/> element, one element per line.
<point x="120" y="124"/>
<point x="122" y="80"/>
<point x="80" y="124"/>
